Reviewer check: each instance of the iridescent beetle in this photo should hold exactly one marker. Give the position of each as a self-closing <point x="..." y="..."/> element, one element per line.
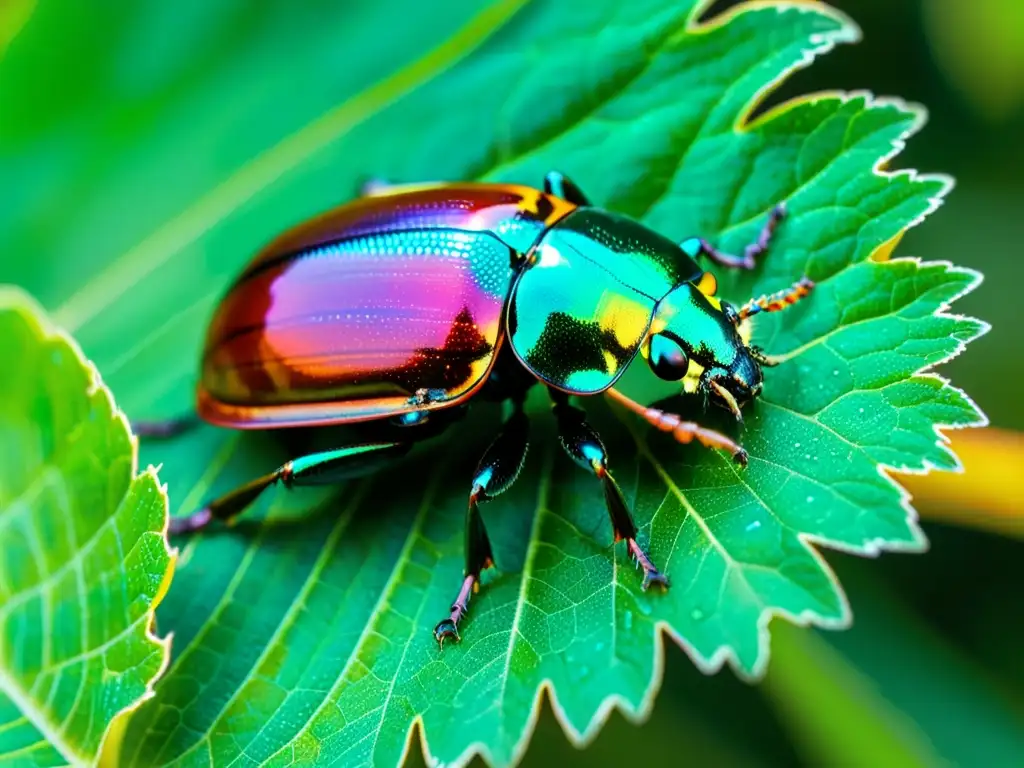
<point x="402" y="306"/>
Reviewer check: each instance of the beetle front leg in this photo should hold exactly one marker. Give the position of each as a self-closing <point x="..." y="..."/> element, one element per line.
<point x="326" y="468"/>
<point x="683" y="431"/>
<point x="497" y="470"/>
<point x="750" y="254"/>
<point x="584" y="446"/>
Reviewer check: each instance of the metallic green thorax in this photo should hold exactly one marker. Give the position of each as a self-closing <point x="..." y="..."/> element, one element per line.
<point x="582" y="308"/>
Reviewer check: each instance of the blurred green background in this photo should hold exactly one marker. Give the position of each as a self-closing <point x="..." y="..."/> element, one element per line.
<point x="932" y="671"/>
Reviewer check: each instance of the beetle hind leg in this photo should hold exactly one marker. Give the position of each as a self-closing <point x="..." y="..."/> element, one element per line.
<point x="584" y="446"/>
<point x="497" y="470"/>
<point x="164" y="429"/>
<point x="325" y="468"/>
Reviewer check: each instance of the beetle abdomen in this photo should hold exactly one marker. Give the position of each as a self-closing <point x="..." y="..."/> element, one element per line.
<point x="358" y="328"/>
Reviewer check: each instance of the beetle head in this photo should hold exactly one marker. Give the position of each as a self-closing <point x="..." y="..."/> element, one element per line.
<point x="735" y="386"/>
<point x="692" y="330"/>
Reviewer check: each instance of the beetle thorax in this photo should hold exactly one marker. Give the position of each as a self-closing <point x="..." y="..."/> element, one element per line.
<point x="697" y="323"/>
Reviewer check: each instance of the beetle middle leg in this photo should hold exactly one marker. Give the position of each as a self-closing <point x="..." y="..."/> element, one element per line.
<point x="750" y="254"/>
<point x="584" y="446"/>
<point x="324" y="468"/>
<point x="497" y="470"/>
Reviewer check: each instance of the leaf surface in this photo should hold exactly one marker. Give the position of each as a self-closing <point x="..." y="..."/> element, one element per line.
<point x="307" y="638"/>
<point x="83" y="558"/>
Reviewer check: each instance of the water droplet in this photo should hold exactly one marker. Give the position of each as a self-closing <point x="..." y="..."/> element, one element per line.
<point x="860" y="410"/>
<point x="754" y="525"/>
<point x="835" y="372"/>
<point x="697" y="614"/>
<point x="796" y="445"/>
<point x="645" y="607"/>
<point x="807" y="456"/>
<point x="627" y="620"/>
<point x="810" y="499"/>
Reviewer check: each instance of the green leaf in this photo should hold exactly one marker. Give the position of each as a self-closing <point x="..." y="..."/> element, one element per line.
<point x="83" y="558"/>
<point x="308" y="637"/>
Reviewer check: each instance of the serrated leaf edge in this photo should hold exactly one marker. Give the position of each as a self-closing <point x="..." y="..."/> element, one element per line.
<point x="12" y="297"/>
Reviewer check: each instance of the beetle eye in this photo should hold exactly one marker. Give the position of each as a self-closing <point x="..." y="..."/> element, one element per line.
<point x="667" y="359"/>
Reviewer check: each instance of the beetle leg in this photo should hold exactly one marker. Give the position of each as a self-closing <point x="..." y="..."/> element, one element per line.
<point x="324" y="468"/>
<point x="562" y="186"/>
<point x="497" y="470"/>
<point x="164" y="429"/>
<point x="584" y="446"/>
<point x="683" y="431"/>
<point x="752" y="251"/>
<point x="773" y="302"/>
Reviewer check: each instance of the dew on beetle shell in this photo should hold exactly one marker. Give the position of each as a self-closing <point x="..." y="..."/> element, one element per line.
<point x="697" y="614"/>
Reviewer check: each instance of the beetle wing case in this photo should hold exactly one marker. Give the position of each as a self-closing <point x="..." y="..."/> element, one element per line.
<point x="388" y="305"/>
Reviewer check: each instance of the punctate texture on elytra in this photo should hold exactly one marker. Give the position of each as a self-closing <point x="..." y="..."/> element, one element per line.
<point x="310" y="638"/>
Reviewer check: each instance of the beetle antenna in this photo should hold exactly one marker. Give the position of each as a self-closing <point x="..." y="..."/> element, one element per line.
<point x="773" y="302"/>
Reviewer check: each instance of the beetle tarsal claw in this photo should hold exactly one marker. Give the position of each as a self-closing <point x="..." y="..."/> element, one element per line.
<point x="446" y="630"/>
<point x="449" y="628"/>
<point x="651" y="574"/>
<point x="741" y="457"/>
